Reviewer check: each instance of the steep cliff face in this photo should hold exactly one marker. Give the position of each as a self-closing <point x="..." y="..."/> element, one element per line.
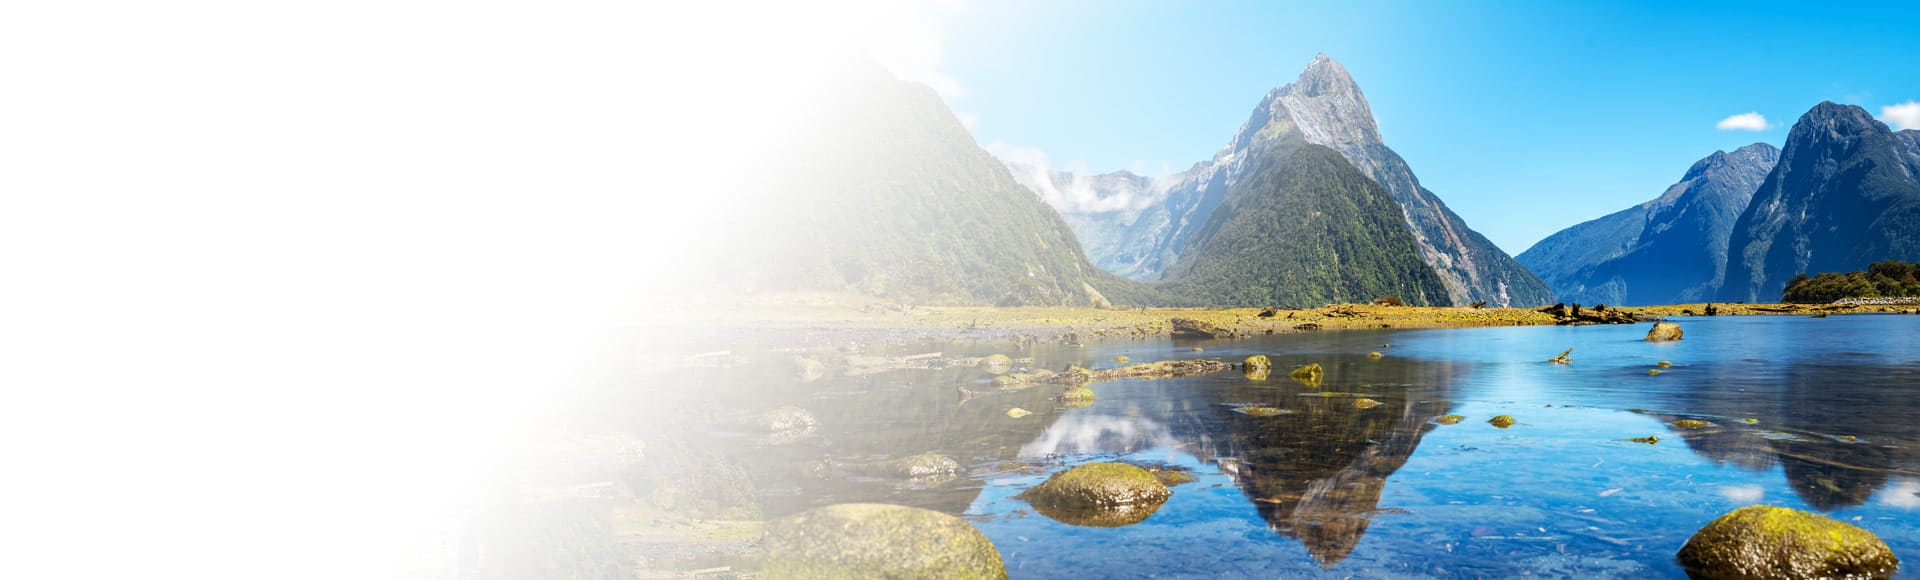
<point x="1671" y="249"/>
<point x="1324" y="106"/>
<point x="1844" y="194"/>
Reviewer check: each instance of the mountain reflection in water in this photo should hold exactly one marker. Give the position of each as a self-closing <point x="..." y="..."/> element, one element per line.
<point x="1326" y="486"/>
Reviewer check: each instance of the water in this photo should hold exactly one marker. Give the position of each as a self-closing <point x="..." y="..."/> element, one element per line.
<point x="1814" y="414"/>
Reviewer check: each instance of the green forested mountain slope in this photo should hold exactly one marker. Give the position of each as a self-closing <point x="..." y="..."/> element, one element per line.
<point x="1304" y="228"/>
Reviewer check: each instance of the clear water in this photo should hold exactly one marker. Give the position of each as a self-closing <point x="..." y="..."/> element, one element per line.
<point x="1334" y="490"/>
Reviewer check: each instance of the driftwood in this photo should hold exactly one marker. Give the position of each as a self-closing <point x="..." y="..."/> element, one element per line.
<point x="1562" y="358"/>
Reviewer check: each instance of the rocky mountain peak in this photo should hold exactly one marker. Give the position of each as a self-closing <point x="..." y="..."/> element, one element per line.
<point x="1324" y="76"/>
<point x="1833" y="121"/>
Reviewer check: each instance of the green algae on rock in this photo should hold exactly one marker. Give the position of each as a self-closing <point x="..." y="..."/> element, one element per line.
<point x="1099" y="495"/>
<point x="1774" y="542"/>
<point x="1502" y="421"/>
<point x="865" y="540"/>
<point x="1257" y="362"/>
<point x="1308" y="372"/>
<point x="1690" y="423"/>
<point x="1449" y="419"/>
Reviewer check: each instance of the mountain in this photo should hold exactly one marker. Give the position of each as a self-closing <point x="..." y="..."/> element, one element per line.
<point x="1844" y="194"/>
<point x="1324" y="106"/>
<point x="1301" y="230"/>
<point x="879" y="190"/>
<point x="1670" y="250"/>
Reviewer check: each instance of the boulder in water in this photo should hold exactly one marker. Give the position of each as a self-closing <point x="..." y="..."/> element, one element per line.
<point x="866" y="540"/>
<point x="1775" y="542"/>
<point x="1663" y="332"/>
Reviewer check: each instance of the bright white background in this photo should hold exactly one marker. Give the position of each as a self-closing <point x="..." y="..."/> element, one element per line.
<point x="277" y="278"/>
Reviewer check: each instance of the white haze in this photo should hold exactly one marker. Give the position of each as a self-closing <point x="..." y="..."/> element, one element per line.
<point x="283" y="279"/>
<point x="1080" y="194"/>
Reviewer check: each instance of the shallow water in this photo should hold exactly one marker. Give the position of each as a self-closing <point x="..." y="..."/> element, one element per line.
<point x="1815" y="414"/>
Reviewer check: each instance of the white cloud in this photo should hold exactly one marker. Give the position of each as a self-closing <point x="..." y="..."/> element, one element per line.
<point x="1743" y="122"/>
<point x="970" y="120"/>
<point x="1902" y="116"/>
<point x="906" y="38"/>
<point x="1078" y="193"/>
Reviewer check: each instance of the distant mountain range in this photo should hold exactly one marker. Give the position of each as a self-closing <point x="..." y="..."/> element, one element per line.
<point x="1844" y="192"/>
<point x="881" y="191"/>
<point x="1672" y="249"/>
<point x="1324" y="106"/>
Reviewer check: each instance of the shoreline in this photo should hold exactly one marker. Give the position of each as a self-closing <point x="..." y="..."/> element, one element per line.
<point x="798" y="327"/>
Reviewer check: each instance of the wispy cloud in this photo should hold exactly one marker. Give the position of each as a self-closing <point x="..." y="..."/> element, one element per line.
<point x="1077" y="192"/>
<point x="1743" y="122"/>
<point x="1902" y="116"/>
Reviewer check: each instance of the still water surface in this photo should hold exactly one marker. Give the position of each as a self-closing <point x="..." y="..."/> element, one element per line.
<point x="1815" y="414"/>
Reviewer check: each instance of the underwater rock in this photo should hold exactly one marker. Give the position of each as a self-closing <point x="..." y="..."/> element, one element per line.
<point x="1502" y="421"/>
<point x="912" y="466"/>
<point x="1375" y="354"/>
<point x="785" y="419"/>
<point x="1077" y="394"/>
<point x="1664" y="364"/>
<point x="1365" y="403"/>
<point x="1449" y="419"/>
<point x="1122" y="359"/>
<point x="1017" y="412"/>
<point x="1650" y="439"/>
<point x="1774" y="542"/>
<point x="1651" y="372"/>
<point x="1190" y="328"/>
<point x="1099" y="495"/>
<point x="1690" y="423"/>
<point x="809" y="370"/>
<point x="865" y="540"/>
<point x="1663" y="332"/>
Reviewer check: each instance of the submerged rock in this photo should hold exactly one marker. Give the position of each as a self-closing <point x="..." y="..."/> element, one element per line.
<point x="1663" y="332"/>
<point x="1077" y="394"/>
<point x="1502" y="421"/>
<point x="1650" y="439"/>
<point x="1099" y="495"/>
<point x="1690" y="423"/>
<point x="1664" y="364"/>
<point x="1017" y="412"/>
<point x="1309" y="372"/>
<point x="1449" y="419"/>
<point x="1774" y="542"/>
<point x="1257" y="362"/>
<point x="1075" y="375"/>
<point x="1259" y="410"/>
<point x="865" y="540"/>
<point x="1190" y="328"/>
<point x="1365" y="403"/>
<point x="1375" y="354"/>
<point x="1122" y="359"/>
<point x="922" y="465"/>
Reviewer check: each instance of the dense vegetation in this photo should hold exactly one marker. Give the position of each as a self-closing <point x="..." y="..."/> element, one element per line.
<point x="1304" y="230"/>
<point x="1889" y="279"/>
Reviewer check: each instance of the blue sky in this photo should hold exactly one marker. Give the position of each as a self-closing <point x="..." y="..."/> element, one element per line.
<point x="1525" y="117"/>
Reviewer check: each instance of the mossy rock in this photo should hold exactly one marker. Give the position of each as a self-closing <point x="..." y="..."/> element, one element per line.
<point x="1099" y="495"/>
<point x="1502" y="421"/>
<point x="866" y="540"/>
<point x="1308" y="372"/>
<point x="1077" y="395"/>
<point x="1690" y="423"/>
<point x="1257" y="362"/>
<point x="1375" y="354"/>
<point x="1664" y="364"/>
<point x="1651" y="372"/>
<point x="1122" y="359"/>
<point x="1449" y="419"/>
<point x="1650" y="439"/>
<point x="1775" y="542"/>
<point x="809" y="370"/>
